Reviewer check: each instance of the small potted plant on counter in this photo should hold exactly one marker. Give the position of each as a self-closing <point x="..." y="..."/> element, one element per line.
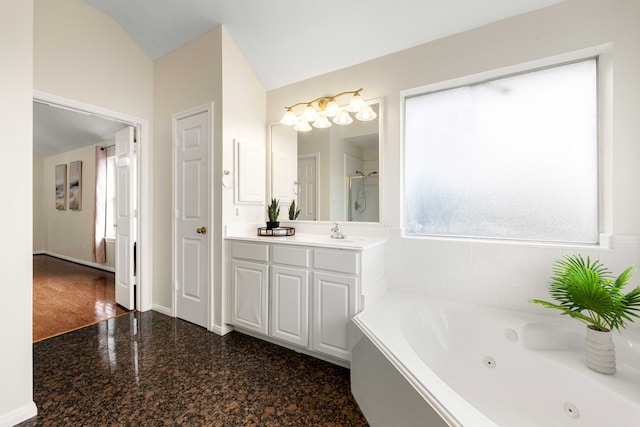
<point x="293" y="212"/>
<point x="587" y="291"/>
<point x="273" y="211"/>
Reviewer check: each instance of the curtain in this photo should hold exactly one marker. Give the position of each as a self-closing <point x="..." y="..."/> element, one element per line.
<point x="99" y="214"/>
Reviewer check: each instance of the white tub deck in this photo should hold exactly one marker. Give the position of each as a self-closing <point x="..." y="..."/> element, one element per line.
<point x="482" y="366"/>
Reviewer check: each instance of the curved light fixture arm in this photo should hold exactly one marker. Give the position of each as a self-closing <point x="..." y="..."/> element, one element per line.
<point x="324" y="100"/>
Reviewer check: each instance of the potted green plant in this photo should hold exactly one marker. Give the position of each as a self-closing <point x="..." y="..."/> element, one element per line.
<point x="293" y="212"/>
<point x="273" y="211"/>
<point x="587" y="291"/>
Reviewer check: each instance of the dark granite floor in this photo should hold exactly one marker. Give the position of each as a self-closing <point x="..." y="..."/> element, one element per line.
<point x="148" y="369"/>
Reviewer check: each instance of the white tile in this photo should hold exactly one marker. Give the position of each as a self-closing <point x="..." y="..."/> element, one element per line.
<point x="407" y="284"/>
<point x="459" y="261"/>
<point x="542" y="255"/>
<point x="514" y="253"/>
<point x="585" y="252"/>
<point x="486" y="294"/>
<point x="515" y="274"/>
<point x="435" y="258"/>
<point x="435" y="286"/>
<point x="540" y="275"/>
<point x="459" y="290"/>
<point x="513" y="297"/>
<point x="486" y="272"/>
<point x="618" y="259"/>
<point x="485" y="253"/>
<point x="485" y="262"/>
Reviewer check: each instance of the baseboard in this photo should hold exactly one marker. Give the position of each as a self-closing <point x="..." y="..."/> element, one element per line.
<point x="221" y="330"/>
<point x="77" y="261"/>
<point x="18" y="415"/>
<point x="162" y="309"/>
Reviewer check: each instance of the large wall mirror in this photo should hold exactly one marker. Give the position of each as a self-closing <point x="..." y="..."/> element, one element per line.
<point x="333" y="174"/>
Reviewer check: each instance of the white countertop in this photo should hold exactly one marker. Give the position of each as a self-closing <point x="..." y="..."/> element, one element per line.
<point x="315" y="240"/>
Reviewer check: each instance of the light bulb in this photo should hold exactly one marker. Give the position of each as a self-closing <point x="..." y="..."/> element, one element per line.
<point x="309" y="114"/>
<point x="322" y="122"/>
<point x="343" y="118"/>
<point x="356" y="103"/>
<point x="289" y="118"/>
<point x="366" y="114"/>
<point x="302" y="126"/>
<point x="332" y="109"/>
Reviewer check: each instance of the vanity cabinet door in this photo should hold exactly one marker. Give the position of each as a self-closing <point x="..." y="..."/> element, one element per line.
<point x="290" y="305"/>
<point x="249" y="295"/>
<point x="334" y="304"/>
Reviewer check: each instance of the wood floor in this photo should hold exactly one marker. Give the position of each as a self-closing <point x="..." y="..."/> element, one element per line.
<point x="68" y="296"/>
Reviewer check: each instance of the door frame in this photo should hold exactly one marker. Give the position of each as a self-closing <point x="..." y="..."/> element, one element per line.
<point x="144" y="219"/>
<point x="204" y="108"/>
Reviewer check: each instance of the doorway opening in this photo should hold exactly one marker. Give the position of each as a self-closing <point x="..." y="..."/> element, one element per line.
<point x="67" y="131"/>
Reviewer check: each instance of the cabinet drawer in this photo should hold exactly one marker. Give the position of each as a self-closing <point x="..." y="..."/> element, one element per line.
<point x="290" y="255"/>
<point x="252" y="251"/>
<point x="335" y="260"/>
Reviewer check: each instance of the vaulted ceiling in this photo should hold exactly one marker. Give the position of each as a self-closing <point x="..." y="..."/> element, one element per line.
<point x="284" y="41"/>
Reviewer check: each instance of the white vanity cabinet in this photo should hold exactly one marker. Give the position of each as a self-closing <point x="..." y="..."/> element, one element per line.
<point x="250" y="285"/>
<point x="335" y="290"/>
<point x="290" y="294"/>
<point x="302" y="296"/>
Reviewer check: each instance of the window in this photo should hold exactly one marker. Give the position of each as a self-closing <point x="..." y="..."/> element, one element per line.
<point x="110" y="205"/>
<point x="509" y="158"/>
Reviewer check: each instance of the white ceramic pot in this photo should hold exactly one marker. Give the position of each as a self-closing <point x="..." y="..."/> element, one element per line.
<point x="600" y="351"/>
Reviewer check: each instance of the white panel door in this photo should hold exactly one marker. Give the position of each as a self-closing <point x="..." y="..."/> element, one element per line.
<point x="249" y="295"/>
<point x="333" y="307"/>
<point x="125" y="218"/>
<point x="290" y="305"/>
<point x="192" y="269"/>
<point x="307" y="188"/>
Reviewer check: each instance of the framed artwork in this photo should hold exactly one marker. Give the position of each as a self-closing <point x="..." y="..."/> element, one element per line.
<point x="75" y="185"/>
<point x="61" y="187"/>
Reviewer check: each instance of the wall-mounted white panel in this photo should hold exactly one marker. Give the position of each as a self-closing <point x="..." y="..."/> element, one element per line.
<point x="250" y="170"/>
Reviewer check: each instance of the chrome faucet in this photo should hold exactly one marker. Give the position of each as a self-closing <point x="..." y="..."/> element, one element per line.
<point x="336" y="232"/>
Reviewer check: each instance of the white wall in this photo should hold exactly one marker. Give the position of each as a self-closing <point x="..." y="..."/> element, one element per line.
<point x="209" y="68"/>
<point x="243" y="106"/>
<point x="184" y="78"/>
<point x="69" y="233"/>
<point x="491" y="273"/>
<point x="84" y="55"/>
<point x="16" y="175"/>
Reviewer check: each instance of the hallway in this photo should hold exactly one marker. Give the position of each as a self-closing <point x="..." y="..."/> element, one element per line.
<point x="148" y="369"/>
<point x="68" y="296"/>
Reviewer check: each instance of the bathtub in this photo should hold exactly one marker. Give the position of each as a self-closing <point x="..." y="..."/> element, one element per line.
<point x="435" y="362"/>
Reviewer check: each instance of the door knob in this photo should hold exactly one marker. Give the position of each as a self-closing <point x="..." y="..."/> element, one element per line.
<point x="201" y="230"/>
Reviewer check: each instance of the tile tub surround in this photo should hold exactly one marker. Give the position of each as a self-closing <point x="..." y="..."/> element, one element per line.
<point x="149" y="369"/>
<point x="499" y="274"/>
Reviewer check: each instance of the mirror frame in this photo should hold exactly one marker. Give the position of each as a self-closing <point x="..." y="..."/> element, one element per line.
<point x="381" y="145"/>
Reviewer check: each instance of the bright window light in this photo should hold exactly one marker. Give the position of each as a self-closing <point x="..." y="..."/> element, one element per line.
<point x="510" y="158"/>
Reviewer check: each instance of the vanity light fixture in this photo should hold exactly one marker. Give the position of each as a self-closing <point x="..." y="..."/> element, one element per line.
<point x="320" y="110"/>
